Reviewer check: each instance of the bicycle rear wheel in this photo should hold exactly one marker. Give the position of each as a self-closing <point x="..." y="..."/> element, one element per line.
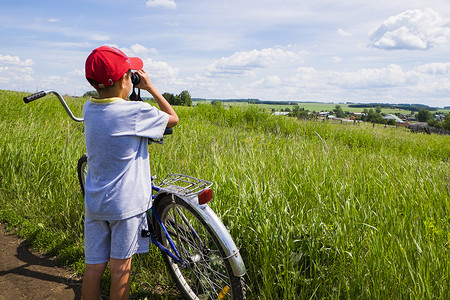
<point x="82" y="170"/>
<point x="208" y="273"/>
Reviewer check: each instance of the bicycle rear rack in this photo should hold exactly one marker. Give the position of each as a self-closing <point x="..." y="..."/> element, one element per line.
<point x="184" y="185"/>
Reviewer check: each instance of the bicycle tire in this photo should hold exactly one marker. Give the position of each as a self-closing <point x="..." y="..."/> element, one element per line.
<point x="208" y="273"/>
<point x="82" y="170"/>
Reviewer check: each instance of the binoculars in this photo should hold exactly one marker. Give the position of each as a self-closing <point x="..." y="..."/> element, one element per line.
<point x="135" y="78"/>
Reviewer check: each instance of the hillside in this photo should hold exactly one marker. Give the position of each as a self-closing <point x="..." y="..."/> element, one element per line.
<point x="318" y="210"/>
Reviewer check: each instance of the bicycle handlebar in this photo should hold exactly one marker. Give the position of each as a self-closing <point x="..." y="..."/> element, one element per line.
<point x="41" y="94"/>
<point x="34" y="96"/>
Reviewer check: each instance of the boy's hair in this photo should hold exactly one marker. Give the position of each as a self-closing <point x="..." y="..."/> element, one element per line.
<point x="106" y="65"/>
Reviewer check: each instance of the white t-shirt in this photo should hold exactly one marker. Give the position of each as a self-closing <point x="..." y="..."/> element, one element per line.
<point x="118" y="180"/>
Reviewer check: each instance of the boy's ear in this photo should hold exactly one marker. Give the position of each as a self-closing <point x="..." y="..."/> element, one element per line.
<point x="122" y="80"/>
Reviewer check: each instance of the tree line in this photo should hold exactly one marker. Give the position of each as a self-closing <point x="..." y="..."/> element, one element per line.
<point x="182" y="99"/>
<point x="410" y="107"/>
<point x="374" y="115"/>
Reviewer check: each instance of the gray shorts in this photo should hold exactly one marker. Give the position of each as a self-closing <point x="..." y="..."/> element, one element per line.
<point x="119" y="239"/>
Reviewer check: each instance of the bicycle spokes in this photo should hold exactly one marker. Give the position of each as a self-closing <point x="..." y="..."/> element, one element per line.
<point x="206" y="269"/>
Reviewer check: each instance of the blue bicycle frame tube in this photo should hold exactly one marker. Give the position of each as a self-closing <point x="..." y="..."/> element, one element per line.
<point x="166" y="233"/>
<point x="175" y="258"/>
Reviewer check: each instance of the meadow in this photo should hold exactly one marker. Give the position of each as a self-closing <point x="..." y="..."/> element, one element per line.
<point x="318" y="210"/>
<point x="323" y="106"/>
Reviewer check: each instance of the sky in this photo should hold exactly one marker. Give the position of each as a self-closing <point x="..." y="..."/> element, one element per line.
<point x="378" y="51"/>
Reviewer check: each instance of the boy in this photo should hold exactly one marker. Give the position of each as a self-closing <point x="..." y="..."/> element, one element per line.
<point x="118" y="187"/>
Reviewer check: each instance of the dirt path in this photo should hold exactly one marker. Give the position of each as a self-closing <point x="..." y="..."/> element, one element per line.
<point x="27" y="275"/>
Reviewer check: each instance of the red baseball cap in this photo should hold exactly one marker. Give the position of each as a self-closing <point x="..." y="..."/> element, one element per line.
<point x="107" y="65"/>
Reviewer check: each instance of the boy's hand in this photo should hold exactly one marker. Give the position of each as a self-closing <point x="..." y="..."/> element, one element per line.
<point x="146" y="83"/>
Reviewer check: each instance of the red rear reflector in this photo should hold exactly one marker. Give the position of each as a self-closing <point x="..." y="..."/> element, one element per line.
<point x="205" y="196"/>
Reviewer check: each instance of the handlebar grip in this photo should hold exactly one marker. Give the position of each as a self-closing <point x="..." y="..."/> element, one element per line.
<point x="34" y="96"/>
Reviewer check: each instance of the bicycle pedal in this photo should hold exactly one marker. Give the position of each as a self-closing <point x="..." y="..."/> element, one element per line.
<point x="145" y="233"/>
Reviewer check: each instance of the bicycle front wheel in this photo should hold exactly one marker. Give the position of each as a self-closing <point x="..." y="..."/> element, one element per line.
<point x="82" y="171"/>
<point x="206" y="273"/>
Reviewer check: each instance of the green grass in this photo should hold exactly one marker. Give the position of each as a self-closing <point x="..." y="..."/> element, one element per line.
<point x="318" y="210"/>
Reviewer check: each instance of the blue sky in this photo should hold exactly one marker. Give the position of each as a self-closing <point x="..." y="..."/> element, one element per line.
<point x="329" y="51"/>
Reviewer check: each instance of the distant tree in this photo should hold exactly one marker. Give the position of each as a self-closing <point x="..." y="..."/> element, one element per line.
<point x="435" y="123"/>
<point x="90" y="94"/>
<point x="338" y="111"/>
<point x="378" y="109"/>
<point x="300" y="113"/>
<point x="169" y="97"/>
<point x="177" y="100"/>
<point x="446" y="124"/>
<point x="391" y="122"/>
<point x="364" y="116"/>
<point x="423" y="115"/>
<point x="216" y="103"/>
<point x="303" y="114"/>
<point x="185" y="98"/>
<point x="374" y="117"/>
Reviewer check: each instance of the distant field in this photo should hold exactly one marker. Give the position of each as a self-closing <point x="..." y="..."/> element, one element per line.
<point x="315" y="106"/>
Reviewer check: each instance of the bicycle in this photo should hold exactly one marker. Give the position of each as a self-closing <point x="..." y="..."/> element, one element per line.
<point x="197" y="249"/>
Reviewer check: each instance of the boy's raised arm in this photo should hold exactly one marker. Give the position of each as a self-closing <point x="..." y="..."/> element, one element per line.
<point x="146" y="84"/>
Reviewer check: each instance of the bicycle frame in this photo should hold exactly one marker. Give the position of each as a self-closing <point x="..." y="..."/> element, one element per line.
<point x="150" y="233"/>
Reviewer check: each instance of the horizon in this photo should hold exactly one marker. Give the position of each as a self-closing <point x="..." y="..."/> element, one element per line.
<point x="327" y="52"/>
<point x="322" y="102"/>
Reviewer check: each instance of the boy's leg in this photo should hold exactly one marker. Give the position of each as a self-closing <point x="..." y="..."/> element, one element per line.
<point x="90" y="288"/>
<point x="97" y="248"/>
<point x="120" y="278"/>
<point x="126" y="240"/>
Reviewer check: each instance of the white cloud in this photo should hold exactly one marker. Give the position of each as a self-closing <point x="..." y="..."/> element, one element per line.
<point x="391" y="83"/>
<point x="163" y="3"/>
<point x="243" y="62"/>
<point x="15" y="60"/>
<point x="389" y="76"/>
<point x="77" y="72"/>
<point x="336" y="59"/>
<point x="413" y="30"/>
<point x="343" y="32"/>
<point x="159" y="70"/>
<point x="139" y="51"/>
<point x="15" y="72"/>
<point x="50" y="81"/>
<point x="434" y="68"/>
<point x="267" y="82"/>
<point x="99" y="37"/>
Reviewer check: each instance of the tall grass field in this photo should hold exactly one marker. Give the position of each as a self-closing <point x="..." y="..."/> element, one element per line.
<point x="318" y="210"/>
